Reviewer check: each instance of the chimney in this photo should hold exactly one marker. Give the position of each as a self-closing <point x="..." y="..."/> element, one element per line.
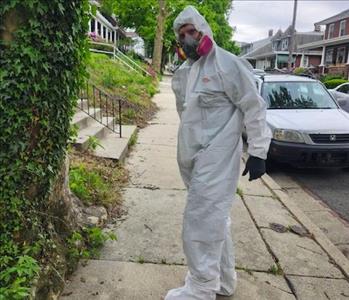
<point x="317" y="28"/>
<point x="270" y="33"/>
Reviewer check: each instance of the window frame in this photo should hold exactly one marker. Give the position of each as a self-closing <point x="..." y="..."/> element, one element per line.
<point x="342" y="28"/>
<point x="330" y="33"/>
<point x="337" y="56"/>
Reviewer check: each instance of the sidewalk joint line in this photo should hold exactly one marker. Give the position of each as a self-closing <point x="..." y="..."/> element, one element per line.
<point x="301" y="221"/>
<point x="316" y="276"/>
<point x="145" y="262"/>
<point x="273" y="255"/>
<point x="154" y="189"/>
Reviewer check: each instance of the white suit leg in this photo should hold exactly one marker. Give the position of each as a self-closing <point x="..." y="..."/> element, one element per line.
<point x="228" y="276"/>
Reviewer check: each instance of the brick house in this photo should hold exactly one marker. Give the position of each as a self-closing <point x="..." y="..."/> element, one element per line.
<point x="334" y="45"/>
<point x="273" y="51"/>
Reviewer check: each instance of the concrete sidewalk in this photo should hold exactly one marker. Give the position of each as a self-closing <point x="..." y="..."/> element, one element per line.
<point x="147" y="259"/>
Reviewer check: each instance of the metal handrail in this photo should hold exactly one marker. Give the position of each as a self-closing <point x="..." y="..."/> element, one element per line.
<point x="116" y="53"/>
<point x="132" y="61"/>
<point x="115" y="57"/>
<point x="100" y="104"/>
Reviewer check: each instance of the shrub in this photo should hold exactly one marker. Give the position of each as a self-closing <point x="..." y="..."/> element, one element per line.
<point x="328" y="77"/>
<point x="332" y="83"/>
<point x="299" y="70"/>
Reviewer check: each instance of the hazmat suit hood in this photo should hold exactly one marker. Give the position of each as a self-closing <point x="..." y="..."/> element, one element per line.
<point x="190" y="15"/>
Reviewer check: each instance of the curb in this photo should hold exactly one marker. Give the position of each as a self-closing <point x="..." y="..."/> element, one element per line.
<point x="332" y="251"/>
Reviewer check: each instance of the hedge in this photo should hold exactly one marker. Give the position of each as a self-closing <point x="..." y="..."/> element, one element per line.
<point x="42" y="65"/>
<point x="332" y="83"/>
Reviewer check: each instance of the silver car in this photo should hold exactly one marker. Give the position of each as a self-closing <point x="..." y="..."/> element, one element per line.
<point x="341" y="94"/>
<point x="309" y="128"/>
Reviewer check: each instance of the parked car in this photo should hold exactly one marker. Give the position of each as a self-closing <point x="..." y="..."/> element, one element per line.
<point x="309" y="128"/>
<point x="259" y="72"/>
<point x="341" y="94"/>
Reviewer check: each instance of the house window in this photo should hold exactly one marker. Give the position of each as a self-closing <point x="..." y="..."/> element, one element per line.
<point x="342" y="28"/>
<point x="113" y="36"/>
<point x="329" y="57"/>
<point x="330" y="31"/>
<point x="104" y="32"/>
<point x="340" y="55"/>
<point x="284" y="44"/>
<point x="92" y="28"/>
<point x="99" y="28"/>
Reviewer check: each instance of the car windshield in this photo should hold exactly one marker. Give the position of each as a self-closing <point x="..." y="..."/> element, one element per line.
<point x="297" y="95"/>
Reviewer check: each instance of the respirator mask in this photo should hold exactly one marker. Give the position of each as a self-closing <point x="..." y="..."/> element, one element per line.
<point x="191" y="48"/>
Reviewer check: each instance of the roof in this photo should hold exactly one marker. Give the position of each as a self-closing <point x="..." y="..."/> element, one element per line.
<point x="286" y="78"/>
<point x="110" y="19"/>
<point x="328" y="42"/>
<point x="342" y="15"/>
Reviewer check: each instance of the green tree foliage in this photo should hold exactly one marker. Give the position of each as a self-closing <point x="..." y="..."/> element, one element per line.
<point x="42" y="54"/>
<point x="141" y="15"/>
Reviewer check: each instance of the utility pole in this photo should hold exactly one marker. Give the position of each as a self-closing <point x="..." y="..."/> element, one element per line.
<point x="290" y="45"/>
<point x="159" y="36"/>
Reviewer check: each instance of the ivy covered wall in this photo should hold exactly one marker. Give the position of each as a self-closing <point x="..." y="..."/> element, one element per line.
<point x="42" y="64"/>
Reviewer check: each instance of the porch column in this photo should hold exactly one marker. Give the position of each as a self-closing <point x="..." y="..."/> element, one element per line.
<point x="302" y="61"/>
<point x="107" y="34"/>
<point x="348" y="64"/>
<point x="276" y="61"/>
<point x="89" y="26"/>
<point x="323" y="56"/>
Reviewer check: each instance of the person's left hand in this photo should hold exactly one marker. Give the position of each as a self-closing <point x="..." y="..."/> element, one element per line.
<point x="255" y="166"/>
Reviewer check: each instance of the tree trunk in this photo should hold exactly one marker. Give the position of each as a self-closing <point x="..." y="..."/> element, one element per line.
<point x="158" y="42"/>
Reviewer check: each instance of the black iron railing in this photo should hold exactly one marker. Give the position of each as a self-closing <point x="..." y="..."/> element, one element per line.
<point x="102" y="107"/>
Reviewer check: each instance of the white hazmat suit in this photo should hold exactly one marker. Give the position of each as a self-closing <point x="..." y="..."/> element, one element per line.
<point x="216" y="96"/>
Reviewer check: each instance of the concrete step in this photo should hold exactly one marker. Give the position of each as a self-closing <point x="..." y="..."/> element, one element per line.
<point x="114" y="147"/>
<point x="94" y="129"/>
<point x="83" y="120"/>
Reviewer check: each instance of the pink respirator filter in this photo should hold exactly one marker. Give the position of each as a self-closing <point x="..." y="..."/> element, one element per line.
<point x="205" y="46"/>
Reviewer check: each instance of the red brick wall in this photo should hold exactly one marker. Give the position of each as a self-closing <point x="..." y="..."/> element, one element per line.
<point x="298" y="61"/>
<point x="336" y="28"/>
<point x="314" y="60"/>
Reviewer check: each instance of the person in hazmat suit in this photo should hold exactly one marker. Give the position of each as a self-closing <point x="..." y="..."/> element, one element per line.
<point x="216" y="96"/>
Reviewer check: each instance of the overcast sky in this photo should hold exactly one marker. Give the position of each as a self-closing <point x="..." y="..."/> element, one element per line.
<point x="253" y="18"/>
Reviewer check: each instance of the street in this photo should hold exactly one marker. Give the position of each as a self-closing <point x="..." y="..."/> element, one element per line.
<point x="327" y="185"/>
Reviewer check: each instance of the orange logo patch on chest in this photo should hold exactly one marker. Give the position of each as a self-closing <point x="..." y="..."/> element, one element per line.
<point x="206" y="79"/>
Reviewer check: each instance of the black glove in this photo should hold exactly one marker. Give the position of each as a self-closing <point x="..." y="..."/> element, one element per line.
<point x="256" y="167"/>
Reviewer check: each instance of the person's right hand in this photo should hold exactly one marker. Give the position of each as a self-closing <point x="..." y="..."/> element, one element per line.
<point x="255" y="166"/>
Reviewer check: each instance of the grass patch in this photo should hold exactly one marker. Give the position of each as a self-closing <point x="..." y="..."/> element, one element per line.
<point x="276" y="269"/>
<point x="114" y="78"/>
<point x="96" y="181"/>
<point x="140" y="259"/>
<point x="133" y="139"/>
<point x="240" y="192"/>
<point x="86" y="244"/>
